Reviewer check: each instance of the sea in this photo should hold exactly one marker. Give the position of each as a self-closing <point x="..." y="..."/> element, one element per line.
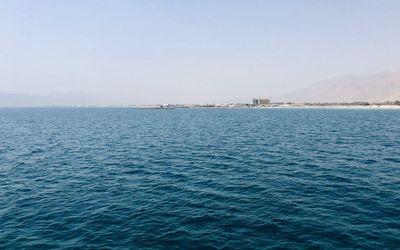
<point x="124" y="178"/>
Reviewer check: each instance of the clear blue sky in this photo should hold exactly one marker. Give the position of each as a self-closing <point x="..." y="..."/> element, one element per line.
<point x="192" y="51"/>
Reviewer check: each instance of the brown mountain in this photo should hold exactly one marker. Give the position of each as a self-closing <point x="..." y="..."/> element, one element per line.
<point x="350" y="88"/>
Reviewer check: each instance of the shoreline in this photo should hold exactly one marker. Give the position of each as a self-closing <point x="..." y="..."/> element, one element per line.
<point x="273" y="106"/>
<point x="338" y="106"/>
<point x="236" y="106"/>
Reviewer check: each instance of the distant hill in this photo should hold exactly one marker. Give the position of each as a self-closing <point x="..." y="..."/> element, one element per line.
<point x="350" y="88"/>
<point x="59" y="99"/>
<point x="17" y="100"/>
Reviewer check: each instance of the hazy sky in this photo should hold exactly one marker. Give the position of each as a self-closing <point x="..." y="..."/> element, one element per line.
<point x="192" y="51"/>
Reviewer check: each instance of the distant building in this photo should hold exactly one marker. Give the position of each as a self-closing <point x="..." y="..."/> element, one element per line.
<point x="260" y="101"/>
<point x="263" y="101"/>
<point x="255" y="102"/>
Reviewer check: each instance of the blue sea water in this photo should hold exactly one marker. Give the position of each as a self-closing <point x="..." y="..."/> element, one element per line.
<point x="80" y="178"/>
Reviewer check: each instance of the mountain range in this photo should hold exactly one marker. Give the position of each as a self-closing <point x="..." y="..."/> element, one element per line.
<point x="56" y="99"/>
<point x="379" y="87"/>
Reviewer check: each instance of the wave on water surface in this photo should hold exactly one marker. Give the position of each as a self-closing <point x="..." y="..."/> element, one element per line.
<point x="205" y="179"/>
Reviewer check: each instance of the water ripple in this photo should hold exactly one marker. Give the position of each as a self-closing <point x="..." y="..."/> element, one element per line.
<point x="199" y="179"/>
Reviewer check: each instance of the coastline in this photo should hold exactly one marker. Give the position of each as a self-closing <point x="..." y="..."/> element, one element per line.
<point x="272" y="106"/>
<point x="226" y="106"/>
<point x="337" y="107"/>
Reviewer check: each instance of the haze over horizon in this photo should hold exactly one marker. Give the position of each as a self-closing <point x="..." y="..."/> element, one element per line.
<point x="132" y="52"/>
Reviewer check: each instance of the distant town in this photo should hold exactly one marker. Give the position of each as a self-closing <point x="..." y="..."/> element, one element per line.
<point x="266" y="103"/>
